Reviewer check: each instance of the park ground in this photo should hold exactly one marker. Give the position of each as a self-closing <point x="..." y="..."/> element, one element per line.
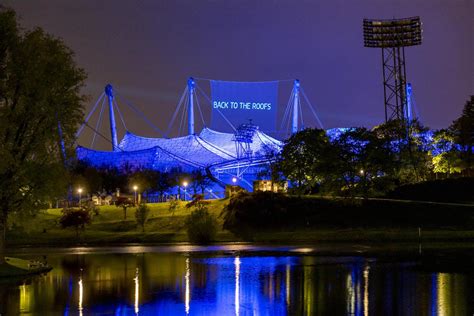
<point x="109" y="227"/>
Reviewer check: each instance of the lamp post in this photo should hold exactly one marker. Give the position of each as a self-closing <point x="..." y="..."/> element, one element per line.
<point x="185" y="185"/>
<point x="135" y="188"/>
<point x="80" y="195"/>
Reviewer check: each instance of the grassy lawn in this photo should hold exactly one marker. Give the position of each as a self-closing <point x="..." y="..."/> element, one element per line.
<point x="110" y="227"/>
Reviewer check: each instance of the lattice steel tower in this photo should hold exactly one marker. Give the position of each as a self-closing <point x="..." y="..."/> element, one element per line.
<point x="392" y="36"/>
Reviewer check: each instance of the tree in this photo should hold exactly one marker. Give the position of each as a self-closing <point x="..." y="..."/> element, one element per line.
<point x="141" y="215"/>
<point x="78" y="219"/>
<point x="201" y="226"/>
<point x="303" y="157"/>
<point x="272" y="170"/>
<point x="408" y="147"/>
<point x="145" y="179"/>
<point x="39" y="100"/>
<point x="163" y="183"/>
<point x="463" y="130"/>
<point x="445" y="155"/>
<point x="200" y="180"/>
<point x="124" y="203"/>
<point x="177" y="177"/>
<point x="173" y="205"/>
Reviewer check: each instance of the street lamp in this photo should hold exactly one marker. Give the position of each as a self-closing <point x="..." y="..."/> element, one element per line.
<point x="80" y="195"/>
<point x="185" y="185"/>
<point x="234" y="180"/>
<point x="135" y="188"/>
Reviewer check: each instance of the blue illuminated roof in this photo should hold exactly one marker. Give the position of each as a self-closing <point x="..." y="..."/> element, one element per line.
<point x="187" y="152"/>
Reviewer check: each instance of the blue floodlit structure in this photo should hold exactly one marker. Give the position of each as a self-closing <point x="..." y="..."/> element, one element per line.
<point x="226" y="157"/>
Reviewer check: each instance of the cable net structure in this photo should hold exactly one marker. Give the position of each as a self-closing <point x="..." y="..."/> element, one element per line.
<point x="237" y="154"/>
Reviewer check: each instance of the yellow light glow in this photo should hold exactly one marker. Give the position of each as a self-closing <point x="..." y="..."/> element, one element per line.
<point x="366" y="290"/>
<point x="25" y="298"/>
<point x="81" y="293"/>
<point x="137" y="292"/>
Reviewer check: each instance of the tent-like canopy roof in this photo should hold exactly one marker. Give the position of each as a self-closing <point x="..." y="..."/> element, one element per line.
<point x="188" y="152"/>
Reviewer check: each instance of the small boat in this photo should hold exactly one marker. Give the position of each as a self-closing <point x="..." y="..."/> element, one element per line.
<point x="14" y="267"/>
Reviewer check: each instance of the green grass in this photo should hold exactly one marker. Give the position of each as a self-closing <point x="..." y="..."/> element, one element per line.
<point x="109" y="228"/>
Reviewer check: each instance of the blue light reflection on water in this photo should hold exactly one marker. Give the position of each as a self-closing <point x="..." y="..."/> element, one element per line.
<point x="236" y="284"/>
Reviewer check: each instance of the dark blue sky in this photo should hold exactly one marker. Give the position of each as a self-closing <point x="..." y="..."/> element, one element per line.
<point x="148" y="48"/>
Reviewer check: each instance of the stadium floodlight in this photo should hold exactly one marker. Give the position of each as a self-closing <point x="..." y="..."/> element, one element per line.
<point x="392" y="36"/>
<point x="392" y="33"/>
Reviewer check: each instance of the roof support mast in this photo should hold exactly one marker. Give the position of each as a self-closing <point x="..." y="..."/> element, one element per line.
<point x="409" y="105"/>
<point x="296" y="101"/>
<point x="109" y="91"/>
<point x="191" y="87"/>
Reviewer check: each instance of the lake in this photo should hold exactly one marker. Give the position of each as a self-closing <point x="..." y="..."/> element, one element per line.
<point x="245" y="280"/>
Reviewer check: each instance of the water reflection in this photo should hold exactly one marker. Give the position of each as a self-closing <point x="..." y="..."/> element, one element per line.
<point x="186" y="277"/>
<point x="197" y="284"/>
<point x="237" y="286"/>
<point x="137" y="292"/>
<point x="81" y="294"/>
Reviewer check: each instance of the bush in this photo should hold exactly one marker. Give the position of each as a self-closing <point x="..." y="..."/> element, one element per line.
<point x="141" y="215"/>
<point x="248" y="213"/>
<point x="75" y="218"/>
<point x="200" y="225"/>
<point x="447" y="190"/>
<point x="173" y="206"/>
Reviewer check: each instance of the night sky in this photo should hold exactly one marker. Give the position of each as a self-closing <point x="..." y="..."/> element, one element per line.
<point x="147" y="49"/>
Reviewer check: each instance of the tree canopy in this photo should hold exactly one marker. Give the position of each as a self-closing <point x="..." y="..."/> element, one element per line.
<point x="463" y="131"/>
<point x="40" y="98"/>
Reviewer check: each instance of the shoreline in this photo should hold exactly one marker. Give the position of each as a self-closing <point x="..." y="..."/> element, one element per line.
<point x="296" y="238"/>
<point x="380" y="251"/>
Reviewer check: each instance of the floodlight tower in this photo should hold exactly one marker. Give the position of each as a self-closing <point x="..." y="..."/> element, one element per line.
<point x="392" y="36"/>
<point x="191" y="87"/>
<point x="109" y="91"/>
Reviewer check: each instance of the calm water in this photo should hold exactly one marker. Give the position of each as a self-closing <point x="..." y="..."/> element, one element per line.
<point x="249" y="281"/>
